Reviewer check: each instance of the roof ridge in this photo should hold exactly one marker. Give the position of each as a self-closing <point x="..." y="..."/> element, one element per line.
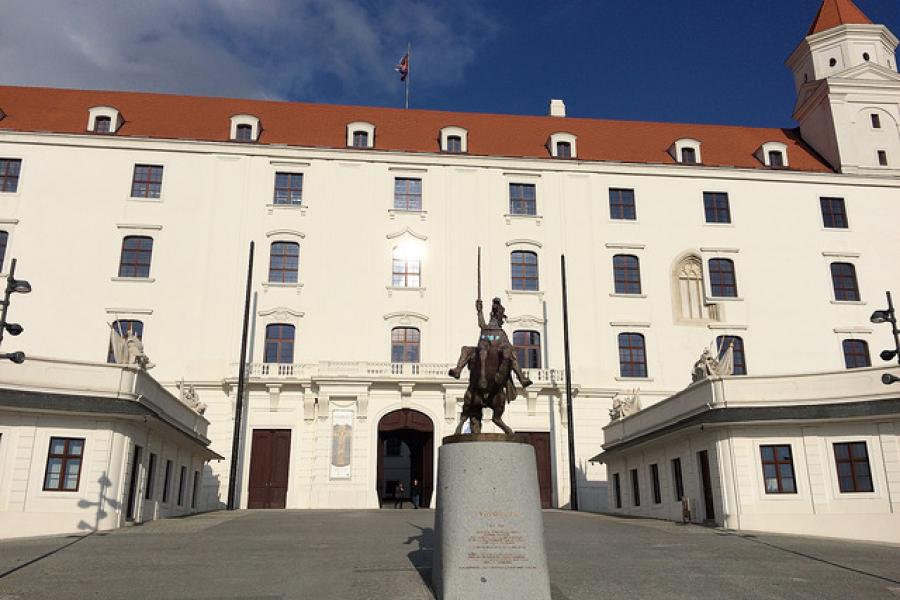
<point x="834" y="13"/>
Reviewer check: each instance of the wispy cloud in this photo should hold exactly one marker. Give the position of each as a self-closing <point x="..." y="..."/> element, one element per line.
<point x="325" y="50"/>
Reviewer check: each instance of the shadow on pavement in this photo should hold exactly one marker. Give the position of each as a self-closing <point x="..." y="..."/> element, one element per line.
<point x="422" y="557"/>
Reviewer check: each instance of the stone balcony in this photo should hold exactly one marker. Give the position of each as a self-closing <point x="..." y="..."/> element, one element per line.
<point x="378" y="371"/>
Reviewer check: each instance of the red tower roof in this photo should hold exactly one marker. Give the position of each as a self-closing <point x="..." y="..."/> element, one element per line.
<point x="838" y="12"/>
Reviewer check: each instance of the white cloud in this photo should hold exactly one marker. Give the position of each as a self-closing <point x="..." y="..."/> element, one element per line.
<point x="326" y="50"/>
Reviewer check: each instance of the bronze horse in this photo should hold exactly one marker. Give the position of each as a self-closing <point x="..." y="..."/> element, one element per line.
<point x="491" y="364"/>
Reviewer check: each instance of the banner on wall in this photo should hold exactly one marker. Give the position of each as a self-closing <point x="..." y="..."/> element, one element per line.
<point x="341" y="443"/>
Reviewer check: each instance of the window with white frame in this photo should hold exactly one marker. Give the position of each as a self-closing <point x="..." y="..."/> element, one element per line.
<point x="562" y="145"/>
<point x="360" y="134"/>
<point x="686" y="151"/>
<point x="773" y="155"/>
<point x="454" y="140"/>
<point x="244" y="128"/>
<point x="104" y="120"/>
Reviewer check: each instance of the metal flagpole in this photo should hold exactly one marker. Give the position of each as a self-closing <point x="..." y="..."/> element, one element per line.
<point x="408" y="70"/>
<point x="573" y="482"/>
<point x="239" y="403"/>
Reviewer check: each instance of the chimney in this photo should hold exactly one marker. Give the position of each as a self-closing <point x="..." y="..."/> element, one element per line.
<point x="557" y="108"/>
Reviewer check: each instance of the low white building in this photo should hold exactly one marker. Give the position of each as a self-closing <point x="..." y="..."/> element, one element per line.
<point x="91" y="446"/>
<point x="813" y="454"/>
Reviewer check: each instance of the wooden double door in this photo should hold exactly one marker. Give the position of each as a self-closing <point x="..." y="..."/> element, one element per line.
<point x="540" y="440"/>
<point x="270" y="459"/>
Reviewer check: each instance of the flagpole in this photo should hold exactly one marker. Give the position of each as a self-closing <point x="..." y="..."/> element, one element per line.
<point x="408" y="71"/>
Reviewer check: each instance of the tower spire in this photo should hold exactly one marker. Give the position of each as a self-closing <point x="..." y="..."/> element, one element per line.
<point x="833" y="13"/>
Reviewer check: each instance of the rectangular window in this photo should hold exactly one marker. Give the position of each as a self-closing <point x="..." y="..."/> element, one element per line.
<point x="151" y="478"/>
<point x="9" y="174"/>
<point x="626" y="274"/>
<point x="621" y="204"/>
<point x="843" y="278"/>
<point x="723" y="343"/>
<point x="137" y="251"/>
<point x="563" y="150"/>
<point x="617" y="490"/>
<point x="454" y="144"/>
<point x="654" y="481"/>
<point x="852" y="462"/>
<point x="856" y="354"/>
<point x="632" y="355"/>
<point x="635" y="488"/>
<point x="4" y="238"/>
<point x="778" y="469"/>
<point x="124" y="328"/>
<point x="776" y="159"/>
<point x="360" y="139"/>
<point x="722" y="280"/>
<point x="288" y="188"/>
<point x="279" y="343"/>
<point x="876" y="121"/>
<point x="181" y="480"/>
<point x="882" y="158"/>
<point x="64" y="464"/>
<point x="834" y="213"/>
<point x="147" y="181"/>
<point x="524" y="270"/>
<point x="194" y="489"/>
<point x="679" y="481"/>
<point x="102" y="124"/>
<point x="407" y="193"/>
<point x="167" y="481"/>
<point x="522" y="199"/>
<point x="405" y="344"/>
<point x="528" y="349"/>
<point x="689" y="156"/>
<point x="406" y="272"/>
<point x="284" y="262"/>
<point x="716" y="206"/>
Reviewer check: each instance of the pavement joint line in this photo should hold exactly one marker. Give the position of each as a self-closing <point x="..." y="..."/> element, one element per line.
<point x="45" y="555"/>
<point x="811" y="557"/>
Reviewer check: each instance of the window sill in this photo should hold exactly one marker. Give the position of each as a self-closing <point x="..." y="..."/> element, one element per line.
<point x="144" y="200"/>
<point x="708" y="224"/>
<point x="394" y="212"/>
<point x="615" y="295"/>
<point x="511" y="293"/>
<point x="634" y="379"/>
<point x="850" y="302"/>
<point x="271" y="207"/>
<point x="135" y="279"/>
<point x="275" y="284"/>
<point x="391" y="289"/>
<point x="536" y="218"/>
<point x="624" y="221"/>
<point x="715" y="299"/>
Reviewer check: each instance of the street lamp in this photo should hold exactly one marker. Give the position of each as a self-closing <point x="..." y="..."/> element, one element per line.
<point x="13" y="286"/>
<point x="888" y="315"/>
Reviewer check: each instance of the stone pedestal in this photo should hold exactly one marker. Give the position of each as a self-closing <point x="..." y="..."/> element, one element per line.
<point x="489" y="530"/>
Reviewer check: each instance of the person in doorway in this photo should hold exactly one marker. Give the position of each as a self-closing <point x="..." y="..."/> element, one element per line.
<point x="399" y="492"/>
<point x="416" y="489"/>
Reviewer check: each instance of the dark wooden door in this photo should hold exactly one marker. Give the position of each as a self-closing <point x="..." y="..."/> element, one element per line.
<point x="132" y="483"/>
<point x="270" y="457"/>
<point x="541" y="443"/>
<point x="703" y="457"/>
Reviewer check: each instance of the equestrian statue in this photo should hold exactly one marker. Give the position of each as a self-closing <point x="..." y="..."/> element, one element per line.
<point x="491" y="364"/>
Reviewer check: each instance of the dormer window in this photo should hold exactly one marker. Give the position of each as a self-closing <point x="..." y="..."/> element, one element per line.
<point x="562" y="145"/>
<point x="245" y="128"/>
<point x="244" y="133"/>
<point x="360" y="134"/>
<point x="454" y="140"/>
<point x="773" y="154"/>
<point x="104" y="120"/>
<point x="686" y="151"/>
<point x="102" y="124"/>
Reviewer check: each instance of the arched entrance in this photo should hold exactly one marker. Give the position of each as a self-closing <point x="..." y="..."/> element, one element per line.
<point x="405" y="452"/>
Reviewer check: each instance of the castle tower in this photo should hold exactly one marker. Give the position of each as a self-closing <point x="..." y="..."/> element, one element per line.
<point x="848" y="90"/>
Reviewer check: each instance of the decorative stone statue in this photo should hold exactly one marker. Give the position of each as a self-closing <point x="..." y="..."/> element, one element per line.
<point x="189" y="397"/>
<point x="623" y="407"/>
<point x="491" y="365"/>
<point x="134" y="352"/>
<point x="710" y="366"/>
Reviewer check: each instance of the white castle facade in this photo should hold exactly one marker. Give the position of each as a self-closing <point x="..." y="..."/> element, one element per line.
<point x="138" y="209"/>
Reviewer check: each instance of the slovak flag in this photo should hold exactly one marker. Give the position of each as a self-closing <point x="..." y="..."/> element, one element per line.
<point x="403" y="67"/>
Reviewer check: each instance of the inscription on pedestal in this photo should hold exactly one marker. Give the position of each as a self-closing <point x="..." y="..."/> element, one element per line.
<point x="497" y="542"/>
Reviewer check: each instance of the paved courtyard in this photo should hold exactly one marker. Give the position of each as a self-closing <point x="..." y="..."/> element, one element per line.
<point x="313" y="555"/>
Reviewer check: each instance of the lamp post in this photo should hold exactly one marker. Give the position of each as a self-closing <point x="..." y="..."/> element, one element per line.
<point x="888" y="315"/>
<point x="13" y="286"/>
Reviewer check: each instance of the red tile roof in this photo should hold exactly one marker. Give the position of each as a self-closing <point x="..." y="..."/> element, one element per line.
<point x="163" y="116"/>
<point x="838" y="12"/>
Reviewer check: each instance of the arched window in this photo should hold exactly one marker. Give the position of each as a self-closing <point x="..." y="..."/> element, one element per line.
<point x="279" y="343"/>
<point x="360" y="139"/>
<point x="137" y="251"/>
<point x="406" y="270"/>
<point x="284" y="262"/>
<point x="723" y="342"/>
<point x="124" y="327"/>
<point x="244" y="133"/>
<point x="454" y="144"/>
<point x="4" y="238"/>
<point x="722" y="281"/>
<point x="405" y="344"/>
<point x="528" y="349"/>
<point x="843" y="278"/>
<point x="524" y="269"/>
<point x="632" y="355"/>
<point x="627" y="274"/>
<point x="563" y="150"/>
<point x="102" y="124"/>
<point x="856" y="354"/>
<point x="689" y="290"/>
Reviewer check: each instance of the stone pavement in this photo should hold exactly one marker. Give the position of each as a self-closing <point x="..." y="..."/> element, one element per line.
<point x="348" y="555"/>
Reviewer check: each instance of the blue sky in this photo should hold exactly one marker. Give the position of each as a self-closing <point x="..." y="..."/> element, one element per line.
<point x="707" y="61"/>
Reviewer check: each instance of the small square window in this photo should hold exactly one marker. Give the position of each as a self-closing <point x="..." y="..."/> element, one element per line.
<point x="522" y="199"/>
<point x="716" y="207"/>
<point x="778" y="469"/>
<point x="454" y="144"/>
<point x="360" y="139"/>
<point x="876" y="121"/>
<point x="621" y="204"/>
<point x="882" y="158"/>
<point x="288" y="188"/>
<point x="102" y="125"/>
<point x="776" y="159"/>
<point x="64" y="464"/>
<point x="689" y="156"/>
<point x="407" y="193"/>
<point x="851" y="460"/>
<point x="9" y="174"/>
<point x="563" y="150"/>
<point x="834" y="213"/>
<point x="244" y="133"/>
<point x="147" y="181"/>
